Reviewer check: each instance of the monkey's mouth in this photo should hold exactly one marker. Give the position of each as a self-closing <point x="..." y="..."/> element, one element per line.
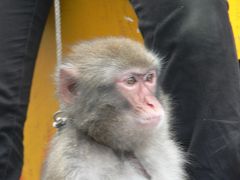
<point x="152" y="121"/>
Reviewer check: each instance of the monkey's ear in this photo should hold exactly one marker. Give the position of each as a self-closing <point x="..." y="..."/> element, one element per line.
<point x="67" y="83"/>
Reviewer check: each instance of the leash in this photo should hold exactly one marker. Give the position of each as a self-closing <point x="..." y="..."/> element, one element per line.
<point x="57" y="10"/>
<point x="59" y="121"/>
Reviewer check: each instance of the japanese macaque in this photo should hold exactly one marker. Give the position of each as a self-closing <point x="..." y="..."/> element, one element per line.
<point x="116" y="117"/>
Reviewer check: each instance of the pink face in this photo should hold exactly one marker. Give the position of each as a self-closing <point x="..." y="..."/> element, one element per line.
<point x="139" y="89"/>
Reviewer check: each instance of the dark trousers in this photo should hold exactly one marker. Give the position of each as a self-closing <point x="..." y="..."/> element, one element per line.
<point x="201" y="74"/>
<point x="21" y="26"/>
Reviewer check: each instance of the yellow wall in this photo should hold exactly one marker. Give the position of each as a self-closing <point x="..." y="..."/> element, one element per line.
<point x="81" y="19"/>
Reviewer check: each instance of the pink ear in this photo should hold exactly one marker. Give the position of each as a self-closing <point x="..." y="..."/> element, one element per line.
<point x="67" y="82"/>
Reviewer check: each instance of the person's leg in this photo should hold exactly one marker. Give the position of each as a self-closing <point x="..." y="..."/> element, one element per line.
<point x="21" y="26"/>
<point x="201" y="73"/>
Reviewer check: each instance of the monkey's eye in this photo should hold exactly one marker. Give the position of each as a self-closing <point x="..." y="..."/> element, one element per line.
<point x="149" y="77"/>
<point x="131" y="80"/>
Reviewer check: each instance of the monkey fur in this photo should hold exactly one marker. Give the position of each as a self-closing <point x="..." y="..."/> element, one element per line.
<point x="102" y="138"/>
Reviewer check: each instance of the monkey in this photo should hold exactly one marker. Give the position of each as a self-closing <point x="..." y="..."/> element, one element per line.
<point x="117" y="116"/>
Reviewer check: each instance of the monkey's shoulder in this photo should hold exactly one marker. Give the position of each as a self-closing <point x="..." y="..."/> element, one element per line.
<point x="87" y="159"/>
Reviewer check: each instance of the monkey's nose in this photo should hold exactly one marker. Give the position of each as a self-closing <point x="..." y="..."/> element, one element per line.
<point x="152" y="102"/>
<point x="150" y="105"/>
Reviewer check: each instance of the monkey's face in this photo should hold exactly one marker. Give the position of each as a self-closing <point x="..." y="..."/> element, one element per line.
<point x="139" y="87"/>
<point x="125" y="114"/>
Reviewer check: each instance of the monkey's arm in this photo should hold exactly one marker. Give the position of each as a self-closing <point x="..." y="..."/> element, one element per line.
<point x="163" y="158"/>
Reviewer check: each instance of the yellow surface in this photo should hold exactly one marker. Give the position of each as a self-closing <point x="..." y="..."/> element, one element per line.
<point x="234" y="12"/>
<point x="42" y="105"/>
<point x="81" y="19"/>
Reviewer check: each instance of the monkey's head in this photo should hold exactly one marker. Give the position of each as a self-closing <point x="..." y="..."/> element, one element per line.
<point x="108" y="87"/>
